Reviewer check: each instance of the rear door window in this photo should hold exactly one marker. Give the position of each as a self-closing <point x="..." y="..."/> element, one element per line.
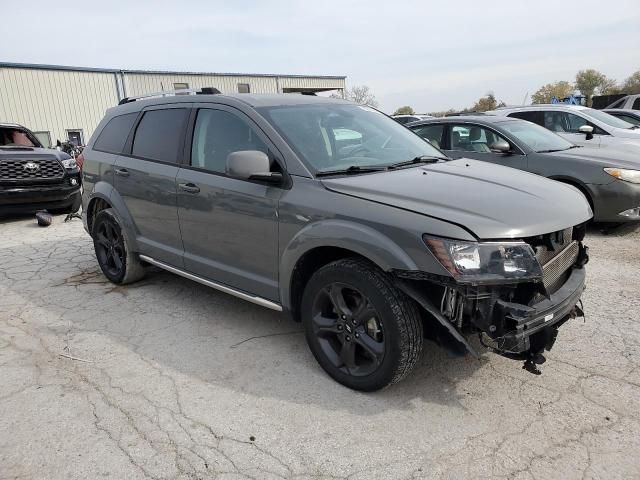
<point x="535" y="117"/>
<point x="636" y="104"/>
<point x="159" y="135"/>
<point x="115" y="133"/>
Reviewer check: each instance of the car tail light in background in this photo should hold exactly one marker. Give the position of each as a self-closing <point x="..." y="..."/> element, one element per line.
<point x="80" y="161"/>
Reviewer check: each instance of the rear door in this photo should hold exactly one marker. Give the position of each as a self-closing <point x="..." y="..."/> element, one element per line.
<point x="145" y="178"/>
<point x="229" y="226"/>
<point x="468" y="140"/>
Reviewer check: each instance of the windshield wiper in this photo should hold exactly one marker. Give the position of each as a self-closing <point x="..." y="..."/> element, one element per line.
<point x="416" y="160"/>
<point x="633" y="127"/>
<point x="553" y="150"/>
<point x="353" y="169"/>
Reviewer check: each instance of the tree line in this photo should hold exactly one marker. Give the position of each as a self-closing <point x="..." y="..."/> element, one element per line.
<point x="587" y="82"/>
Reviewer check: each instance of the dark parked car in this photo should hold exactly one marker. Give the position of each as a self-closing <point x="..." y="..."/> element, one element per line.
<point x="630" y="116"/>
<point x="342" y="218"/>
<point x="609" y="179"/>
<point x="33" y="177"/>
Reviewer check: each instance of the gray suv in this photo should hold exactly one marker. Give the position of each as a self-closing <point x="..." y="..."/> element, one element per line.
<point x="340" y="217"/>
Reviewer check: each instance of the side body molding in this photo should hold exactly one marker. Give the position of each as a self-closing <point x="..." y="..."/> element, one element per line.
<point x="358" y="238"/>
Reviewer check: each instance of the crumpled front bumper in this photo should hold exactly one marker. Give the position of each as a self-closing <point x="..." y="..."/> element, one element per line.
<point x="534" y="328"/>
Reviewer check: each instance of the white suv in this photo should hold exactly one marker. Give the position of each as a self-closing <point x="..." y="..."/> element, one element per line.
<point x="580" y="125"/>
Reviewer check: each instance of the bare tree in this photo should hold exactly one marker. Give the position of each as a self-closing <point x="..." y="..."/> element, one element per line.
<point x="632" y="84"/>
<point x="359" y="94"/>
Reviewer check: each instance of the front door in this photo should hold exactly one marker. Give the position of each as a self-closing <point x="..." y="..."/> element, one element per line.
<point x="468" y="140"/>
<point x="567" y="125"/>
<point x="145" y="177"/>
<point x="229" y="226"/>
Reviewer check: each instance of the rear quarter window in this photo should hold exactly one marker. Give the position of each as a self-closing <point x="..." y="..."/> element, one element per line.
<point x="115" y="133"/>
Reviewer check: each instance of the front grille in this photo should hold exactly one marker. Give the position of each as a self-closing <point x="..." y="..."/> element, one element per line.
<point x="553" y="272"/>
<point x="15" y="170"/>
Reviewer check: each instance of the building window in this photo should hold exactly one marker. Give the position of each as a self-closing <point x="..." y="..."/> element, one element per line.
<point x="44" y="138"/>
<point x="181" y="86"/>
<point x="243" y="88"/>
<point x="75" y="137"/>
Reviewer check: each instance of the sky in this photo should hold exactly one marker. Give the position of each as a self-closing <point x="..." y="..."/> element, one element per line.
<point x="431" y="55"/>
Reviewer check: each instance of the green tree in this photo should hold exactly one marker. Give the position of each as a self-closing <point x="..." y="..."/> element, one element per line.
<point x="632" y="84"/>
<point x="360" y="94"/>
<point x="545" y="93"/>
<point x="406" y="110"/>
<point x="591" y="81"/>
<point x="488" y="102"/>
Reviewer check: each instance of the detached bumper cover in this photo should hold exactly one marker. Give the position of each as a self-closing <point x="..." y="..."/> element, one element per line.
<point x="534" y="327"/>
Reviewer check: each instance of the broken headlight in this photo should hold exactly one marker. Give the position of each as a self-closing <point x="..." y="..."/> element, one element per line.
<point x="482" y="262"/>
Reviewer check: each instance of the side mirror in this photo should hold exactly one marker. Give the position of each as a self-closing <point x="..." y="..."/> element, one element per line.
<point x="501" y="146"/>
<point x="251" y="165"/>
<point x="587" y="130"/>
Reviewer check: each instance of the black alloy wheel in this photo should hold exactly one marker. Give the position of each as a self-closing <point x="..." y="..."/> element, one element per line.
<point x="109" y="247"/>
<point x="363" y="330"/>
<point x="349" y="329"/>
<point x="117" y="263"/>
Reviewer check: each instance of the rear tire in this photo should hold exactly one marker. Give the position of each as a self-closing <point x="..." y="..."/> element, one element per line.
<point x="117" y="262"/>
<point x="363" y="331"/>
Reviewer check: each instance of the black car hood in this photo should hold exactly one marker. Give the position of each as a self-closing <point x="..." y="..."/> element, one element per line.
<point x="608" y="157"/>
<point x="491" y="201"/>
<point x="29" y="153"/>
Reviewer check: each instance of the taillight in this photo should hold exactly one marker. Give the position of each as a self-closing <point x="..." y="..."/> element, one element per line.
<point x="80" y="161"/>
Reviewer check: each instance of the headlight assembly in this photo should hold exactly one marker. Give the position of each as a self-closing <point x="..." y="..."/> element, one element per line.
<point x="482" y="262"/>
<point x="69" y="163"/>
<point x="632" y="176"/>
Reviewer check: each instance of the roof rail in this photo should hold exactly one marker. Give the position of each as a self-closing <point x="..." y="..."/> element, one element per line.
<point x="169" y="93"/>
<point x="462" y="114"/>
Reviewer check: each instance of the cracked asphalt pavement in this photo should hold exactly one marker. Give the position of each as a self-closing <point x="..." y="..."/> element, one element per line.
<point x="167" y="379"/>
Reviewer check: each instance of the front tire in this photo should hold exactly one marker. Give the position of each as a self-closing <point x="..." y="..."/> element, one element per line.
<point x="117" y="262"/>
<point x="363" y="331"/>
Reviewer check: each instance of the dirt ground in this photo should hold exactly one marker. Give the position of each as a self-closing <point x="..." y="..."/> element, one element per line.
<point x="169" y="379"/>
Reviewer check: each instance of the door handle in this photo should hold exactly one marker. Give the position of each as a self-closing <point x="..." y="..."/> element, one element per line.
<point x="123" y="172"/>
<point x="189" y="187"/>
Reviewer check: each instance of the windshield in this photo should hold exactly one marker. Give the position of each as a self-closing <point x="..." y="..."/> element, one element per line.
<point x="16" y="137"/>
<point x="606" y="118"/>
<point x="537" y="138"/>
<point x="338" y="136"/>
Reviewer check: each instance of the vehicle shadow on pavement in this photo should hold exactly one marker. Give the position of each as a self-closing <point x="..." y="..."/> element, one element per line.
<point x="188" y="328"/>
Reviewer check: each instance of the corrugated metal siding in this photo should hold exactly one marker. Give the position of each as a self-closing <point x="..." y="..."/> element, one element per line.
<point x="50" y="99"/>
<point x="311" y="82"/>
<point x="139" y="84"/>
<point x="54" y="100"/>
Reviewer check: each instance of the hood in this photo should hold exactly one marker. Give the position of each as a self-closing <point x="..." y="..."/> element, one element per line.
<point x="628" y="133"/>
<point x="607" y="157"/>
<point x="492" y="201"/>
<point x="29" y="153"/>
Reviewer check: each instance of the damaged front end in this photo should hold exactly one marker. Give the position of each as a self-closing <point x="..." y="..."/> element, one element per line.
<point x="514" y="294"/>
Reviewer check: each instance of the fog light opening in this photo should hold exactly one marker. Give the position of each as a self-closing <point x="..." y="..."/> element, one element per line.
<point x="631" y="213"/>
<point x="74" y="181"/>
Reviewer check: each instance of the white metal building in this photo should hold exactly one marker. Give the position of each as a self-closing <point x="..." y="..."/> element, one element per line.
<point x="60" y="102"/>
